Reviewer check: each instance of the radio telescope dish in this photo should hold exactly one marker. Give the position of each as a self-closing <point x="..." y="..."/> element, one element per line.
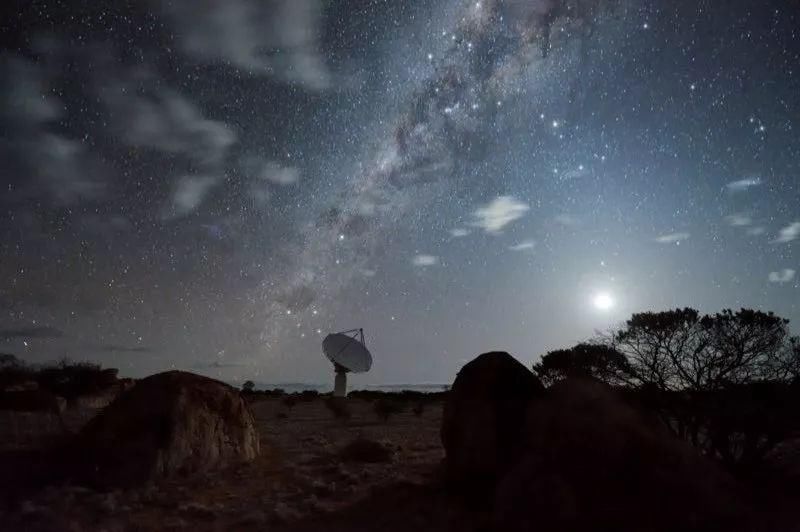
<point x="347" y="352"/>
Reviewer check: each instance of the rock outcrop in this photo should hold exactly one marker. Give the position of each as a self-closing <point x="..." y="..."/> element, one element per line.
<point x="483" y="418"/>
<point x="592" y="463"/>
<point x="172" y="423"/>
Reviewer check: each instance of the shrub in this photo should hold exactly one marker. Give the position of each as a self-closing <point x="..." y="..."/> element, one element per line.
<point x="366" y="451"/>
<point x="308" y="395"/>
<point x="8" y="360"/>
<point x="72" y="379"/>
<point x="289" y="401"/>
<point x="385" y="408"/>
<point x="338" y="407"/>
<point x="14" y="372"/>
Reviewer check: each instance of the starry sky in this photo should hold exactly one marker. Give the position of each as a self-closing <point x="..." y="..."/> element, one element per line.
<point x="214" y="186"/>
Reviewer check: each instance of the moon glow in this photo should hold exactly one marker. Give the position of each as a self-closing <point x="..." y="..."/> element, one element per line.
<point x="603" y="301"/>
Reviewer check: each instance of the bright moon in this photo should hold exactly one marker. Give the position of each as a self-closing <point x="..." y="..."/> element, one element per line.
<point x="603" y="301"/>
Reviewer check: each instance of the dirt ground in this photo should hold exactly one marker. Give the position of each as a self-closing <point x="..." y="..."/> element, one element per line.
<point x="298" y="483"/>
<point x="301" y="483"/>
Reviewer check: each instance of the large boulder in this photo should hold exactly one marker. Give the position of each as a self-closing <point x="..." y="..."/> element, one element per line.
<point x="591" y="462"/>
<point x="483" y="418"/>
<point x="168" y="424"/>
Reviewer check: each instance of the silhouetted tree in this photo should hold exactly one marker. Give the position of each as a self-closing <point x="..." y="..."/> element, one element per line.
<point x="744" y="346"/>
<point x="248" y="386"/>
<point x="680" y="350"/>
<point x="661" y="346"/>
<point x="716" y="380"/>
<point x="593" y="360"/>
<point x="792" y="361"/>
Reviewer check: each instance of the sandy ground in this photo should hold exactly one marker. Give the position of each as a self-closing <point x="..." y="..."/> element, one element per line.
<point x="296" y="484"/>
<point x="300" y="483"/>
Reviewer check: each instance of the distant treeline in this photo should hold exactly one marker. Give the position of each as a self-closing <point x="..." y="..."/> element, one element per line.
<point x="366" y="395"/>
<point x="64" y="378"/>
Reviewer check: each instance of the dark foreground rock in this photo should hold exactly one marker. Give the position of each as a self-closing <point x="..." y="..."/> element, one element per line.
<point x="483" y="418"/>
<point x="592" y="463"/>
<point x="169" y="424"/>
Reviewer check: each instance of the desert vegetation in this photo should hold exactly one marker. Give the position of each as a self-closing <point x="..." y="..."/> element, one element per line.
<point x="385" y="408"/>
<point x="65" y="378"/>
<point x="699" y="409"/>
<point x="339" y="407"/>
<point x="723" y="382"/>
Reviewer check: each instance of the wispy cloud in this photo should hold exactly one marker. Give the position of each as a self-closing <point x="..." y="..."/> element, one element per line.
<point x="29" y="101"/>
<point x="147" y="115"/>
<point x="425" y="260"/>
<point x="743" y="184"/>
<point x="114" y="348"/>
<point x="165" y="121"/>
<point x="783" y="276"/>
<point x="567" y="220"/>
<point x="459" y="232"/>
<point x="265" y="174"/>
<point x="270" y="171"/>
<point x="189" y="193"/>
<point x="217" y="364"/>
<point x="31" y="332"/>
<point x="522" y="246"/>
<point x="279" y="38"/>
<point x="39" y="158"/>
<point x="672" y="238"/>
<point x="755" y="231"/>
<point x="738" y="220"/>
<point x="499" y="213"/>
<point x="279" y="174"/>
<point x="788" y="233"/>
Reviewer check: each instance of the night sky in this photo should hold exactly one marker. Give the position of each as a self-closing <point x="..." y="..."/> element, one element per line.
<point x="214" y="186"/>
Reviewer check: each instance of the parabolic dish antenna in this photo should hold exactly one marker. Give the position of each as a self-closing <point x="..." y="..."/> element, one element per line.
<point x="347" y="352"/>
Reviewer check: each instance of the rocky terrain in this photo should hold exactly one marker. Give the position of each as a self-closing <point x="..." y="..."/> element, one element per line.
<point x="499" y="452"/>
<point x="298" y="474"/>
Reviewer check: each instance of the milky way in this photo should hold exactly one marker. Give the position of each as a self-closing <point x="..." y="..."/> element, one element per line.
<point x="215" y="186"/>
<point x="489" y="47"/>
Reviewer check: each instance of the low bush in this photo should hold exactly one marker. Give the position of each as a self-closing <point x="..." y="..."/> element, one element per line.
<point x="385" y="408"/>
<point x="365" y="451"/>
<point x="289" y="401"/>
<point x="338" y="407"/>
<point x="308" y="395"/>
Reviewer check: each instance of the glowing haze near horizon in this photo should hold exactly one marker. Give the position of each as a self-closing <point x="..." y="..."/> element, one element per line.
<point x="214" y="186"/>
